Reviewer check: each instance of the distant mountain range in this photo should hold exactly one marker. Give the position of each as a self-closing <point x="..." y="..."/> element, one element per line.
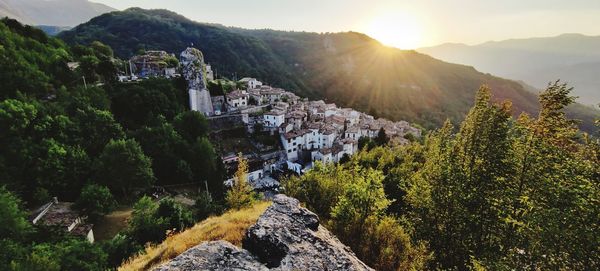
<point x="574" y="58"/>
<point x="52" y="12"/>
<point x="350" y="69"/>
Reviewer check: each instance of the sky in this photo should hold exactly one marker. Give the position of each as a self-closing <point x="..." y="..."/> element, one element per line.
<point x="400" y="23"/>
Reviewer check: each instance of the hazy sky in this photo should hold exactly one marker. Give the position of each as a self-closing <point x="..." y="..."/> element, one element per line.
<point x="400" y="23"/>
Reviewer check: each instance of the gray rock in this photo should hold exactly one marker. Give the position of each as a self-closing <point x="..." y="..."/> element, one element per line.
<point x="217" y="255"/>
<point x="285" y="237"/>
<point x="288" y="237"/>
<point x="194" y="72"/>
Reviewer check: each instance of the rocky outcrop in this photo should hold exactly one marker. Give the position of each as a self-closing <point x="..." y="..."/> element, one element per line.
<point x="285" y="237"/>
<point x="288" y="237"/>
<point x="218" y="255"/>
<point x="192" y="66"/>
<point x="194" y="72"/>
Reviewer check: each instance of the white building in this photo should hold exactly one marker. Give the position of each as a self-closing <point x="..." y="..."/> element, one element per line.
<point x="274" y="119"/>
<point x="237" y="98"/>
<point x="251" y="83"/>
<point x="327" y="138"/>
<point x="353" y="133"/>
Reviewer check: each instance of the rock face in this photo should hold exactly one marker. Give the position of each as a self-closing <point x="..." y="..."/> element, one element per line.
<point x="288" y="237"/>
<point x="285" y="237"/>
<point x="218" y="255"/>
<point x="194" y="72"/>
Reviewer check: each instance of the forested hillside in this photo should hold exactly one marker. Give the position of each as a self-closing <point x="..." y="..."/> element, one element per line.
<point x="97" y="145"/>
<point x="350" y="69"/>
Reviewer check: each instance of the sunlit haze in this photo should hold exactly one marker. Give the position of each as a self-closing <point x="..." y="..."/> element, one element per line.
<point x="403" y="24"/>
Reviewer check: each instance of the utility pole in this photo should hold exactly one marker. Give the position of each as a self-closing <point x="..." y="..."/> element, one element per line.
<point x="207" y="193"/>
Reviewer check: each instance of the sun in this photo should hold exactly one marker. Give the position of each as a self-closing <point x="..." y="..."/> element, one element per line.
<point x="399" y="30"/>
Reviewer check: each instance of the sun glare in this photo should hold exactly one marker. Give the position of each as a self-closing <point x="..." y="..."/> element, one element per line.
<point x="396" y="29"/>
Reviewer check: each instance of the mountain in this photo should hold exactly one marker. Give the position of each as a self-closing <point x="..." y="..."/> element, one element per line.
<point x="51" y="30"/>
<point x="350" y="68"/>
<point x="574" y="58"/>
<point x="52" y="12"/>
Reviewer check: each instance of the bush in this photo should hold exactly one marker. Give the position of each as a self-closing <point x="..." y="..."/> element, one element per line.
<point x="95" y="201"/>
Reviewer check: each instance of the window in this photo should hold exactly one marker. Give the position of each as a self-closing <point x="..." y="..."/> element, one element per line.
<point x="289" y="151"/>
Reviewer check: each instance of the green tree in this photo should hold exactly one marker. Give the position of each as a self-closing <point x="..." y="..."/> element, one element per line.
<point x="175" y="216"/>
<point x="168" y="150"/>
<point x="382" y="137"/>
<point x="205" y="206"/>
<point x="79" y="254"/>
<point x="89" y="66"/>
<point x="95" y="201"/>
<point x="122" y="166"/>
<point x="120" y="248"/>
<point x="13" y="220"/>
<point x="191" y="125"/>
<point x="151" y="221"/>
<point x="362" y="197"/>
<point x="144" y="225"/>
<point x="202" y="161"/>
<point x="95" y="128"/>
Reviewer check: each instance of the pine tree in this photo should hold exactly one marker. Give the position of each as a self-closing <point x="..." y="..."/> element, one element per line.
<point x="241" y="194"/>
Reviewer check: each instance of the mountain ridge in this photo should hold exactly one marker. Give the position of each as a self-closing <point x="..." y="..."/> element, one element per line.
<point x="59" y="13"/>
<point x="348" y="68"/>
<point x="536" y="61"/>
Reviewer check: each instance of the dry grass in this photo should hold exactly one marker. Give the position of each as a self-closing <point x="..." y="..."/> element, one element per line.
<point x="230" y="226"/>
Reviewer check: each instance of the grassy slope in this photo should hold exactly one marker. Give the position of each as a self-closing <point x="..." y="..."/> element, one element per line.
<point x="230" y="226"/>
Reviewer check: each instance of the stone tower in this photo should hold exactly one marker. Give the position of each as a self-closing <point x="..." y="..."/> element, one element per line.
<point x="194" y="72"/>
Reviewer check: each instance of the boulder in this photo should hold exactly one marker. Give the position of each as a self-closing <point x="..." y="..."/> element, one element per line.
<point x="217" y="255"/>
<point x="285" y="237"/>
<point x="288" y="237"/>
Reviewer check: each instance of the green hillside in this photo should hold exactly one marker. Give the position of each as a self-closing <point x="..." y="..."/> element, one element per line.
<point x="350" y="68"/>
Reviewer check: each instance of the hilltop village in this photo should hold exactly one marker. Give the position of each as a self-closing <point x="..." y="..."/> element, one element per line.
<point x="304" y="131"/>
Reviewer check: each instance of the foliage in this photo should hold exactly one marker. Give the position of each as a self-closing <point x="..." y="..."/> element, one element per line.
<point x="497" y="194"/>
<point x="205" y="206"/>
<point x="152" y="220"/>
<point x="95" y="201"/>
<point x="191" y="125"/>
<point x="123" y="167"/>
<point x="241" y="194"/>
<point x="135" y="105"/>
<point x="352" y="203"/>
<point x="13" y="220"/>
<point x="381" y="138"/>
<point x="230" y="226"/>
<point x="120" y="248"/>
<point x="30" y="62"/>
<point x="175" y="216"/>
<point x="62" y="139"/>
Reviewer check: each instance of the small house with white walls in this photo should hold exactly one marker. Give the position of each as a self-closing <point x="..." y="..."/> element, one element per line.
<point x="274" y="118"/>
<point x="237" y="98"/>
<point x="251" y="83"/>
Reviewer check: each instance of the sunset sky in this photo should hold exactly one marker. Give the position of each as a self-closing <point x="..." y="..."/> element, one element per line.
<point x="399" y="23"/>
